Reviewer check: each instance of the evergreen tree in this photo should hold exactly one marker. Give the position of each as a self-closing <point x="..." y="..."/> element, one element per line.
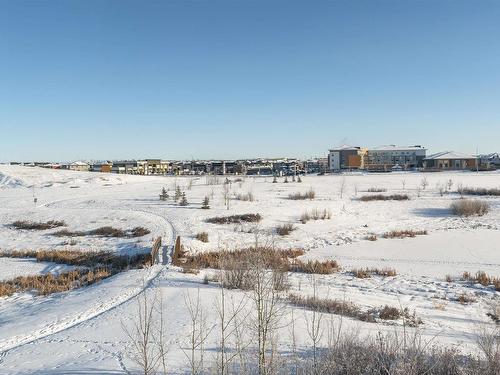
<point x="183" y="201"/>
<point x="164" y="194"/>
<point x="206" y="204"/>
<point x="178" y="193"/>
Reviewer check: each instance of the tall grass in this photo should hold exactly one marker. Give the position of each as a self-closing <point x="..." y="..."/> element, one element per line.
<point x="469" y="207"/>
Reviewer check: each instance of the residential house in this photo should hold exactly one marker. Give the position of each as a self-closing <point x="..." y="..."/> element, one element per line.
<point x="450" y="160"/>
<point x="489" y="161"/>
<point x="79" y="166"/>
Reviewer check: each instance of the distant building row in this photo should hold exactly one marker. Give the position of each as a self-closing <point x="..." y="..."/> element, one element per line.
<point x="390" y="158"/>
<point x="197" y="167"/>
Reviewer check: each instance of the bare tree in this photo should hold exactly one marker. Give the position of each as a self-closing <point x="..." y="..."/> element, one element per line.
<point x="267" y="306"/>
<point x="424" y="183"/>
<point x="198" y="333"/>
<point x="226" y="327"/>
<point x="342" y="187"/>
<point x="403" y="183"/>
<point x="146" y="336"/>
<point x="226" y="194"/>
<point x="314" y="327"/>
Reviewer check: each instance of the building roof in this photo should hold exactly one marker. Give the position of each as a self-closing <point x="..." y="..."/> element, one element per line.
<point x="345" y="148"/>
<point x="449" y="155"/>
<point x="397" y="148"/>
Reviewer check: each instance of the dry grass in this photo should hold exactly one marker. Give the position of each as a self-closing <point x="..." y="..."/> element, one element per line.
<point x="285" y="229"/>
<point x="202" y="236"/>
<point x="469" y="207"/>
<point x="310" y="194"/>
<point x="482" y="278"/>
<point x="404" y="233"/>
<point x="371" y="237"/>
<point x="389" y="313"/>
<point x="479" y="191"/>
<point x="32" y="225"/>
<point x="466" y="299"/>
<point x="315" y="267"/>
<point x="365" y="273"/>
<point x="235" y="219"/>
<point x="49" y="283"/>
<point x="315" y="214"/>
<point x="114" y="262"/>
<point x="106" y="231"/>
<point x="380" y="197"/>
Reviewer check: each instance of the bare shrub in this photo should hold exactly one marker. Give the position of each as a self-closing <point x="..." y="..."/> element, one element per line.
<point x="310" y="194"/>
<point x="248" y="197"/>
<point x="139" y="232"/>
<point x="68" y="233"/>
<point x="482" y="278"/>
<point x="31" y="225"/>
<point x="330" y="306"/>
<point x="108" y="231"/>
<point x="202" y="236"/>
<point x="315" y="214"/>
<point x="465" y="298"/>
<point x="315" y="267"/>
<point x="389" y="313"/>
<point x="235" y="219"/>
<point x="404" y="233"/>
<point x="285" y="229"/>
<point x="365" y="273"/>
<point x="376" y="190"/>
<point x="478" y="191"/>
<point x="380" y="197"/>
<point x="371" y="237"/>
<point x="469" y="207"/>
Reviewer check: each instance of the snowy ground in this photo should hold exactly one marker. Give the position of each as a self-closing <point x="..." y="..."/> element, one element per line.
<point x="81" y="331"/>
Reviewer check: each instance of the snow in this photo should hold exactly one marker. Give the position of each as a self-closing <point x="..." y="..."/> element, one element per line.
<point x="12" y="268"/>
<point x="81" y="331"/>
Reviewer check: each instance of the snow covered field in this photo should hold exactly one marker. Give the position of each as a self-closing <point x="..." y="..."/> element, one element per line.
<point x="81" y="331"/>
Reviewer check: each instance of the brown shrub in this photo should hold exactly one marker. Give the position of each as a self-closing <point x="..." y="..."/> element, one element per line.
<point x="108" y="231"/>
<point x="371" y="237"/>
<point x="465" y="299"/>
<point x="139" y="232"/>
<point x="315" y="214"/>
<point x="479" y="191"/>
<point x="389" y="313"/>
<point x="404" y="233"/>
<point x="482" y="278"/>
<point x="469" y="207"/>
<point x="202" y="236"/>
<point x="380" y="197"/>
<point x="235" y="219"/>
<point x="31" y="225"/>
<point x="365" y="273"/>
<point x="315" y="267"/>
<point x="310" y="194"/>
<point x="285" y="229"/>
<point x="330" y="306"/>
<point x="67" y="233"/>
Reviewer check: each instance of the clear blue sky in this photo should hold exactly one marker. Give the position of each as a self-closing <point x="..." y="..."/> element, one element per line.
<point x="228" y="79"/>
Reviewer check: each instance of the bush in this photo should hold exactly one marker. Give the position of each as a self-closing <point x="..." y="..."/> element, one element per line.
<point x="285" y="229"/>
<point x="389" y="313"/>
<point x="315" y="267"/>
<point x="31" y="225"/>
<point x="376" y="190"/>
<point x="478" y="191"/>
<point x="371" y="237"/>
<point x="202" y="236"/>
<point x="404" y="233"/>
<point x="299" y="196"/>
<point x="365" y="273"/>
<point x="67" y="233"/>
<point x="108" y="231"/>
<point x="482" y="278"/>
<point x="315" y="214"/>
<point x="235" y="219"/>
<point x="469" y="207"/>
<point x="248" y="197"/>
<point x="380" y="197"/>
